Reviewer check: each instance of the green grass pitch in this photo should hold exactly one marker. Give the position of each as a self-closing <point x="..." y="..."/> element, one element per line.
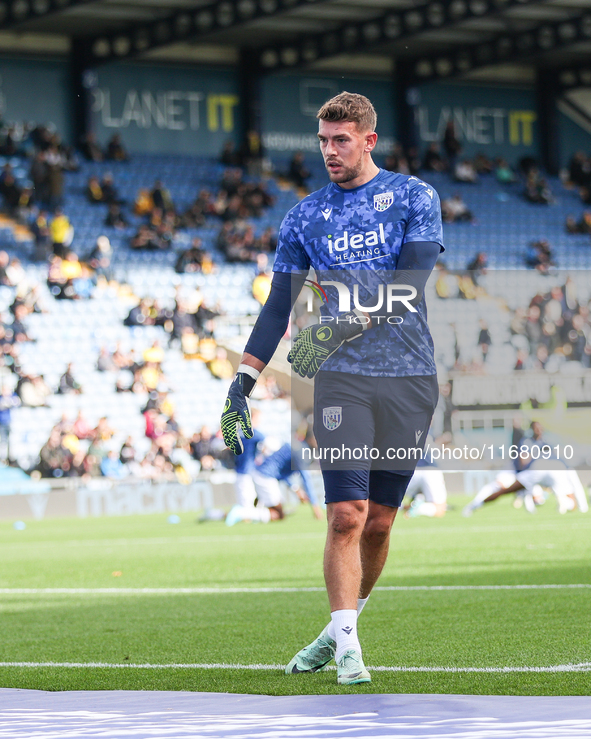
<point x="469" y="628"/>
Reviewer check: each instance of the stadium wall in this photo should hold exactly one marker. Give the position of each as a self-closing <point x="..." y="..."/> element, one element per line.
<point x="36" y="89"/>
<point x="495" y="120"/>
<point x="289" y="103"/>
<point x="167" y="109"/>
<point x="179" y="109"/>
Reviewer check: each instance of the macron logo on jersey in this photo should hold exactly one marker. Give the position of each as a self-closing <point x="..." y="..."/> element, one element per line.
<point x="326" y="213"/>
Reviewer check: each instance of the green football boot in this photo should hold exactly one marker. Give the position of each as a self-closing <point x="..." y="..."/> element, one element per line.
<point x="315" y="656"/>
<point x="351" y="670"/>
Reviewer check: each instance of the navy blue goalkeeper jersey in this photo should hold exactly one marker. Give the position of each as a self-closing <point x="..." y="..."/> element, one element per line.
<point x="355" y="236"/>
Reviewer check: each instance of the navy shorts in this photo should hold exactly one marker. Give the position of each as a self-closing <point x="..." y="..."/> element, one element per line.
<point x="374" y="430"/>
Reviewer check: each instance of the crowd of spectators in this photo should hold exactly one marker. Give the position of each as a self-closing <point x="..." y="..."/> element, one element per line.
<point x="554" y="329"/>
<point x="236" y="202"/>
<point x="114" y="151"/>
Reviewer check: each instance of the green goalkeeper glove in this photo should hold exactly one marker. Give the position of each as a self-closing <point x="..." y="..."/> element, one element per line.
<point x="314" y="345"/>
<point x="236" y="413"/>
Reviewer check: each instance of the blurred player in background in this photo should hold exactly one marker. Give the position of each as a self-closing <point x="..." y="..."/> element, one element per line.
<point x="426" y="493"/>
<point x="528" y="498"/>
<point x="535" y="475"/>
<point x="280" y="466"/>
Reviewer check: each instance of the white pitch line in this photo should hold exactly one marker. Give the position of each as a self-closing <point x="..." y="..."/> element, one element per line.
<point x="224" y="591"/>
<point x="581" y="667"/>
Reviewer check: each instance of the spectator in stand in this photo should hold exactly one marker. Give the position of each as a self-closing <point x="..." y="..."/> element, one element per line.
<point x="141" y="315"/>
<point x="455" y="209"/>
<point x="397" y="161"/>
<point x="195" y="215"/>
<point x="298" y="174"/>
<point x="18" y="329"/>
<point x="579" y="170"/>
<point x="229" y="156"/>
<point x="154" y="353"/>
<point x="190" y="261"/>
<point x="252" y="153"/>
<point x="110" y="192"/>
<point x="181" y="321"/>
<point x="62" y="233"/>
<point x="164" y="224"/>
<point x="4" y="262"/>
<point x="143" y="205"/>
<point x="68" y="384"/>
<point x="221" y="367"/>
<point x="484" y="339"/>
<point x="127" y="453"/>
<point x="189" y="343"/>
<point x="477" y="267"/>
<point x="161" y="197"/>
<point x="261" y="285"/>
<point x="11" y="193"/>
<point x="537" y="189"/>
<point x="29" y="297"/>
<point x="15" y="272"/>
<point x="54" y="458"/>
<point x="503" y="171"/>
<point x="38" y="175"/>
<point x="205" y="444"/>
<point x="539" y="256"/>
<point x="482" y="164"/>
<point x="99" y="259"/>
<point x="115" y="149"/>
<point x="33" y="391"/>
<point x="413" y="157"/>
<point x="55" y="177"/>
<point x="61" y="287"/>
<point x="94" y="191"/>
<point x="71" y="267"/>
<point x="112" y="467"/>
<point x="115" y="218"/>
<point x="103" y="431"/>
<point x="81" y="427"/>
<point x="579" y="227"/>
<point x="147" y="238"/>
<point x="122" y="359"/>
<point x="105" y="362"/>
<point x="465" y="171"/>
<point x="433" y="161"/>
<point x="91" y="151"/>
<point x="8" y="401"/>
<point x="451" y="144"/>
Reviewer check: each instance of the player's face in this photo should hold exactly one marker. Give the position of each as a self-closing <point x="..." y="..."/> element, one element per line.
<point x="343" y="147"/>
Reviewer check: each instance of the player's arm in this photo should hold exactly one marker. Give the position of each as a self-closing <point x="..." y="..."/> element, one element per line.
<point x="270" y="326"/>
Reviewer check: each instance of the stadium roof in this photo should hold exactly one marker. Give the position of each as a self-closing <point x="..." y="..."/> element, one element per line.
<point x="502" y="38"/>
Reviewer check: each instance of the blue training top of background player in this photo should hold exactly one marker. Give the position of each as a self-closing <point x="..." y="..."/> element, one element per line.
<point x="365" y="229"/>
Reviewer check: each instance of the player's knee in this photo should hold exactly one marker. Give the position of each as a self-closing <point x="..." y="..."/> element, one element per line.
<point x="347" y="519"/>
<point x="377" y="530"/>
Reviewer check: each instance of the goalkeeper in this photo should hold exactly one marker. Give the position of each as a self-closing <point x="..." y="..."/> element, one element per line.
<point x="372" y="237"/>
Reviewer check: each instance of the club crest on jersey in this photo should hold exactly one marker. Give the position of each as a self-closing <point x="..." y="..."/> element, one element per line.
<point x="383" y="201"/>
<point x="332" y="417"/>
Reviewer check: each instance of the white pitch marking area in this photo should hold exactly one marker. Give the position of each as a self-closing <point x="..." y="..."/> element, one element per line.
<point x="35" y="714"/>
<point x="223" y="591"/>
<point x="581" y="667"/>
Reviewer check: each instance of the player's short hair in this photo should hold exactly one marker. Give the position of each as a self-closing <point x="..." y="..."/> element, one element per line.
<point x="349" y="106"/>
